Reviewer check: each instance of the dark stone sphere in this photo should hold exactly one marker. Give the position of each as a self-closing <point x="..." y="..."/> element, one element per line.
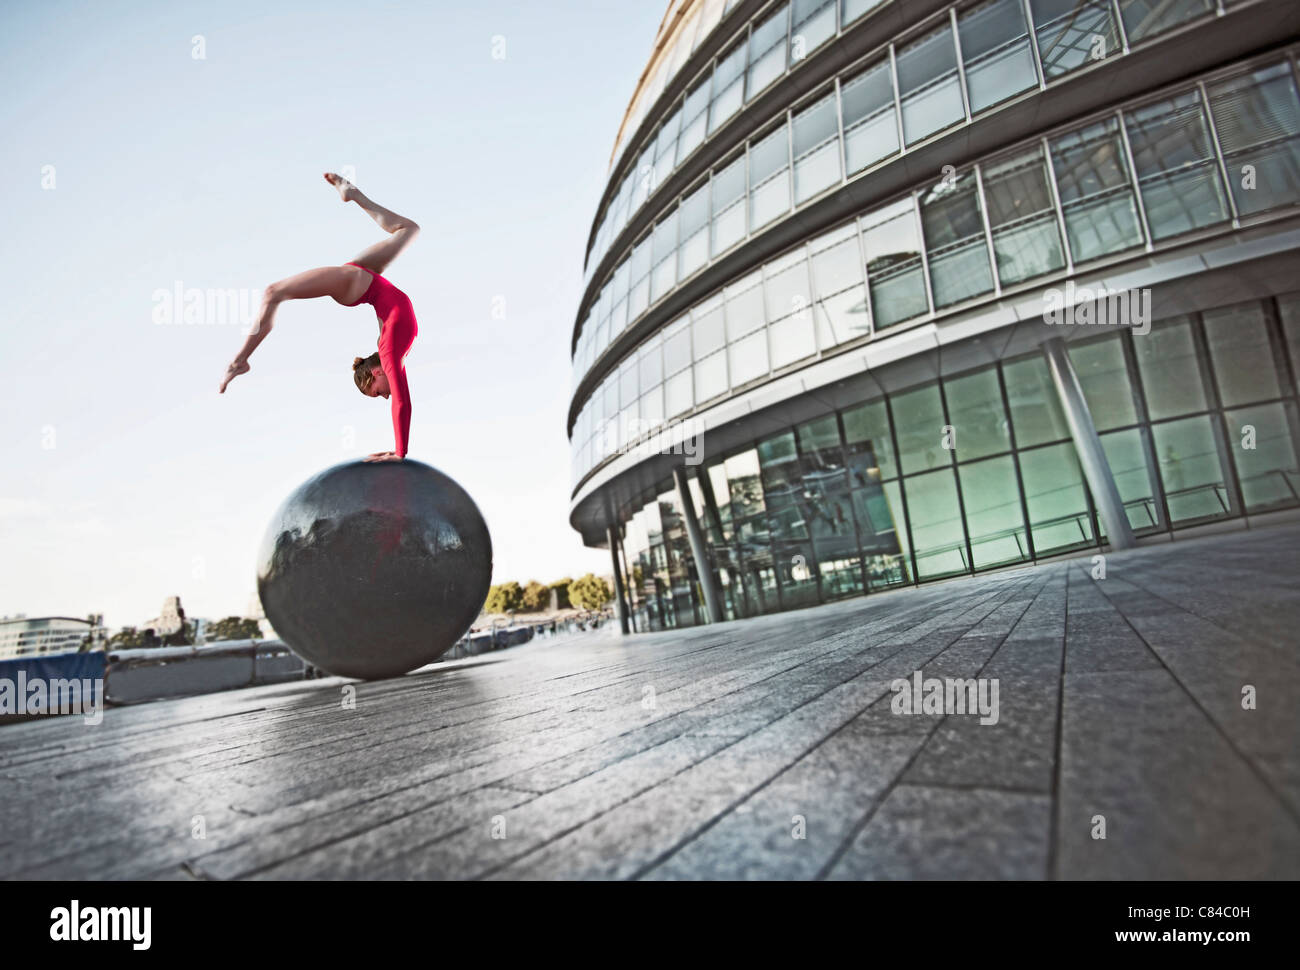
<point x="371" y="569"/>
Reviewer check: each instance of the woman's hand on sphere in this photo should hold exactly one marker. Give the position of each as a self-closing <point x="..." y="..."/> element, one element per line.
<point x="384" y="456"/>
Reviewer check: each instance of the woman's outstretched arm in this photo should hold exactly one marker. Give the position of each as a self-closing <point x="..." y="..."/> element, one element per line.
<point x="400" y="393"/>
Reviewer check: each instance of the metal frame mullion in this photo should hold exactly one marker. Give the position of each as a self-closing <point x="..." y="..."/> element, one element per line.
<point x="1134" y="180"/>
<point x="1033" y="44"/>
<point x="1119" y="26"/>
<point x="1015" y="461"/>
<point x="898" y="99"/>
<point x="1046" y="149"/>
<point x="961" y="69"/>
<point x="925" y="258"/>
<point x="839" y="126"/>
<point x="902" y="492"/>
<point x="988" y="230"/>
<point x="954" y="468"/>
<point x="1218" y="153"/>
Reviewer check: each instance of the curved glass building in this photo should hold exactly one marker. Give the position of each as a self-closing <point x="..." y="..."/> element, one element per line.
<point x="885" y="291"/>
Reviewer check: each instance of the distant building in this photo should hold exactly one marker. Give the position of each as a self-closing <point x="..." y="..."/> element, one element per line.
<point x="21" y="636"/>
<point x="170" y="620"/>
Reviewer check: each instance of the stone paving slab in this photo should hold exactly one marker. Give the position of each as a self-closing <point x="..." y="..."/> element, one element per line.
<point x="773" y="748"/>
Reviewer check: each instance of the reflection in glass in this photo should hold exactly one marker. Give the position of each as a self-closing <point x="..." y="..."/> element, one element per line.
<point x="1026" y="238"/>
<point x="870" y="126"/>
<point x="954" y="237"/>
<point x="1177" y="171"/>
<point x="1096" y="196"/>
<point x="995" y="52"/>
<point x="894" y="271"/>
<point x="928" y="87"/>
<point x="1257" y="116"/>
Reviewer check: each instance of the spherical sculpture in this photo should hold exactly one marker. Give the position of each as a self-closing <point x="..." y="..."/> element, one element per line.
<point x="372" y="569"/>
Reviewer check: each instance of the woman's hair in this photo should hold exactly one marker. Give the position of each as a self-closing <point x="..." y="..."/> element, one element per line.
<point x="361" y="371"/>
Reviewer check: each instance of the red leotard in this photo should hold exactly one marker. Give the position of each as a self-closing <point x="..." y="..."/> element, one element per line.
<point x="397" y="330"/>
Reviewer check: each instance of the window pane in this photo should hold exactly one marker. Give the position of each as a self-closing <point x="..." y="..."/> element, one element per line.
<point x="1036" y="411"/>
<point x="841" y="300"/>
<point x="707" y="330"/>
<point x="1072" y="33"/>
<point x="919" y="428"/>
<point x="786" y="285"/>
<point x="666" y="147"/>
<point x="928" y="88"/>
<point x="792" y="338"/>
<point x="767" y="52"/>
<point x="677" y="347"/>
<point x="1026" y="237"/>
<point x="894" y="271"/>
<point x="1176" y="168"/>
<point x="652" y="365"/>
<point x="664" y="275"/>
<point x="870" y="128"/>
<point x="1103" y="375"/>
<point x="1190" y="469"/>
<point x="728" y="190"/>
<point x="769" y="178"/>
<point x="1242" y="354"/>
<point x="694" y="115"/>
<point x="1267" y="471"/>
<point x="1171" y="374"/>
<point x="868" y="448"/>
<point x="937" y="538"/>
<point x="744" y="485"/>
<point x="1289" y="305"/>
<point x="745" y="311"/>
<point x="728" y="87"/>
<point x="1128" y="465"/>
<point x="1257" y="116"/>
<point x="694" y="224"/>
<point x="813" y="23"/>
<point x="748" y="358"/>
<point x="1093" y="179"/>
<point x="1143" y="18"/>
<point x="851" y="10"/>
<point x="816" y="149"/>
<point x="994" y="519"/>
<point x="995" y="52"/>
<point x="677" y="394"/>
<point x="1055" y="497"/>
<point x="978" y="418"/>
<point x="710" y="376"/>
<point x="955" y="244"/>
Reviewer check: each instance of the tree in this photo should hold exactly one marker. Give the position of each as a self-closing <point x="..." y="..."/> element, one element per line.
<point x="589" y="592"/>
<point x="128" y="636"/>
<point x="505" y="598"/>
<point x="536" y="597"/>
<point x="234" y="628"/>
<point x="561" y="587"/>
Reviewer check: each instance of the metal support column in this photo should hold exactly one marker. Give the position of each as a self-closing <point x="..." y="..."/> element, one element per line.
<point x="712" y="603"/>
<point x="620" y="604"/>
<point x="1092" y="458"/>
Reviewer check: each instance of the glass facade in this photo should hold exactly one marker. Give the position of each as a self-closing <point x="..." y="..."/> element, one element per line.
<point x="1091" y="192"/>
<point x="832" y="175"/>
<point x="996" y="53"/>
<point x="975" y="471"/>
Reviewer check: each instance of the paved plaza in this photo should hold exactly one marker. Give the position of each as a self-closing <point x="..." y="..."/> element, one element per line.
<point x="1159" y="705"/>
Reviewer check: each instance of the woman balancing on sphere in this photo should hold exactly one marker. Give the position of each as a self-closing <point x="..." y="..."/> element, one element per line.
<point x="382" y="373"/>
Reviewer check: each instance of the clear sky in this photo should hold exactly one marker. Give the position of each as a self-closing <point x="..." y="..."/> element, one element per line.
<point x="130" y="165"/>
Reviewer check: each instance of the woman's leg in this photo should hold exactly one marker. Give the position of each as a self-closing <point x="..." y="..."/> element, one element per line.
<point x="336" y="281"/>
<point x="401" y="230"/>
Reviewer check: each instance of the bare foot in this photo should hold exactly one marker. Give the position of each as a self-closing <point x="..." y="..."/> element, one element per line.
<point x="347" y="191"/>
<point x="236" y="368"/>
